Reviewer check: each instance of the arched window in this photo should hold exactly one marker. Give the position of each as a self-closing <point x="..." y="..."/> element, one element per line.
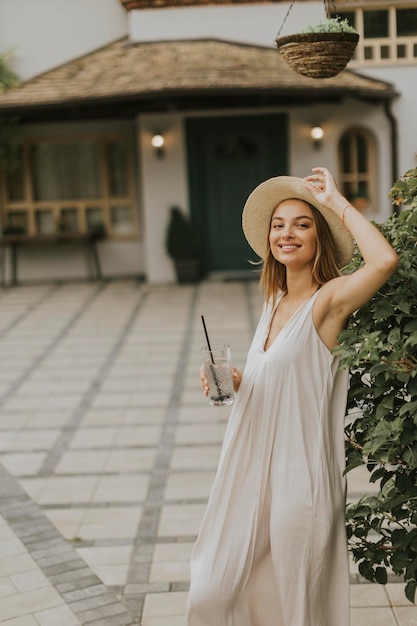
<point x="357" y="169"/>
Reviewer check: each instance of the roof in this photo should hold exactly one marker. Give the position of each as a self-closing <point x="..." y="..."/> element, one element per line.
<point x="172" y="69"/>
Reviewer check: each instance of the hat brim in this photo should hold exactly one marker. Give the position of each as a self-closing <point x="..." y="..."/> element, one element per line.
<point x="260" y="205"/>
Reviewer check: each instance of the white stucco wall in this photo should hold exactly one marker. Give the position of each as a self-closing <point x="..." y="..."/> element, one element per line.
<point x="404" y="109"/>
<point x="163" y="185"/>
<point x="247" y="23"/>
<point x="43" y="34"/>
<point x="335" y="120"/>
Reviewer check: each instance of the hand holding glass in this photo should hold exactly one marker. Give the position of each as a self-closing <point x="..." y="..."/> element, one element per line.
<point x="217" y="368"/>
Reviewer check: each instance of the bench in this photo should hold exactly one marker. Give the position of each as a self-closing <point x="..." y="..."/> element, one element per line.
<point x="14" y="242"/>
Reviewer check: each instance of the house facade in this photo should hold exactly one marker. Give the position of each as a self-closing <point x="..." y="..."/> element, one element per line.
<point x="104" y="79"/>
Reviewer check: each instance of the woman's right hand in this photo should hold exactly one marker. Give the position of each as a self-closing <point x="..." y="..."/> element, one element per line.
<point x="204" y="382"/>
<point x="236" y="375"/>
<point x="237" y="378"/>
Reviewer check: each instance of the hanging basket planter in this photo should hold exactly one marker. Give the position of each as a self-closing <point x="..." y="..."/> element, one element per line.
<point x="318" y="55"/>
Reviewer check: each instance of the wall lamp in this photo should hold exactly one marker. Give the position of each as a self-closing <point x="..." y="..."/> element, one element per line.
<point x="316" y="135"/>
<point x="158" y="143"/>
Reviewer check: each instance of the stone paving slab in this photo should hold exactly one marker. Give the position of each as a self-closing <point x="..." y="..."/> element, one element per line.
<point x="108" y="451"/>
<point x="41" y="573"/>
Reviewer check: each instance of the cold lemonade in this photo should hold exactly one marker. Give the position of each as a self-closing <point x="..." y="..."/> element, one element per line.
<point x="219" y="375"/>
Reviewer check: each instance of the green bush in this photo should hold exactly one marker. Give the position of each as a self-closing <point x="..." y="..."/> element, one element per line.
<point x="380" y="349"/>
<point x="8" y="78"/>
<point x="9" y="130"/>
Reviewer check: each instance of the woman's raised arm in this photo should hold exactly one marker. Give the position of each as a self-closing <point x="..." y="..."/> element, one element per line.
<point x="350" y="292"/>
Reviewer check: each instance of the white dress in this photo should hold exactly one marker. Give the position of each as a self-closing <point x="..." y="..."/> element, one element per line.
<point x="272" y="547"/>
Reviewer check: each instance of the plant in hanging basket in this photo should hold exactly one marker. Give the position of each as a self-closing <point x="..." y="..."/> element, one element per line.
<point x="321" y="50"/>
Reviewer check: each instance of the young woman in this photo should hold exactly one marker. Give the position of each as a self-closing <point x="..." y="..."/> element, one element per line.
<point x="272" y="547"/>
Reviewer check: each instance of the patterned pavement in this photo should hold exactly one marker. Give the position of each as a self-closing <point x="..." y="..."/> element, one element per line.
<point x="108" y="450"/>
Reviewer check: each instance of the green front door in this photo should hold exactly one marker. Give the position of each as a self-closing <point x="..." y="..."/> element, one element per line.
<point x="228" y="157"/>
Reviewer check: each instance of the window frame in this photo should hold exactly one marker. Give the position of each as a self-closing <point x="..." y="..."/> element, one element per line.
<point x="354" y="177"/>
<point x="371" y="51"/>
<point x="106" y="201"/>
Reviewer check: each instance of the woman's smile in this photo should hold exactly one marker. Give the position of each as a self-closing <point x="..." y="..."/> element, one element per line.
<point x="287" y="246"/>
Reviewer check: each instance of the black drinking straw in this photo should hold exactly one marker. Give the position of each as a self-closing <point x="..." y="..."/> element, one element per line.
<point x="216" y="382"/>
<point x="207" y="339"/>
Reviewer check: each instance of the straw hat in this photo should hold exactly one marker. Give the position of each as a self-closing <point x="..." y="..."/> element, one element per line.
<point x="264" y="199"/>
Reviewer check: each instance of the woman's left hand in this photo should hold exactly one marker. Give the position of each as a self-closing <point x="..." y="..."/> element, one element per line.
<point x="324" y="188"/>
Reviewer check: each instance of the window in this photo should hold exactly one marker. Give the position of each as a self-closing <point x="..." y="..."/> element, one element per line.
<point x="357" y="168"/>
<point x="387" y="35"/>
<point x="71" y="185"/>
<point x="375" y="24"/>
<point x="406" y="22"/>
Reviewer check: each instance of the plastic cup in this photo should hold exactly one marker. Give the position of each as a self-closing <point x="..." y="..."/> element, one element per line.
<point x="217" y="368"/>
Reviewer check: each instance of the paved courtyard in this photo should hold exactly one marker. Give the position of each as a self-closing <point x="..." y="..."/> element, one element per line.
<point x="108" y="450"/>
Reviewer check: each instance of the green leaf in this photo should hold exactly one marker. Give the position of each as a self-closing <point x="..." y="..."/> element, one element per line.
<point x="409" y="434"/>
<point x="399" y="561"/>
<point x="411" y="326"/>
<point x="383" y="310"/>
<point x="378" y="473"/>
<point x="394" y="335"/>
<point x="410" y="455"/>
<point x="413" y="219"/>
<point x="401" y="185"/>
<point x="404" y="305"/>
<point x="412" y="536"/>
<point x="373" y="446"/>
<point x="355" y="460"/>
<point x="402" y="483"/>
<point x="399" y="538"/>
<point x="365" y="569"/>
<point x="372" y="501"/>
<point x="386" y="478"/>
<point x="408" y="407"/>
<point x="381" y="575"/>
<point x="411" y="341"/>
<point x="410" y="590"/>
<point x="361" y="511"/>
<point x="396" y="501"/>
<point x="412" y="172"/>
<point x="377" y="369"/>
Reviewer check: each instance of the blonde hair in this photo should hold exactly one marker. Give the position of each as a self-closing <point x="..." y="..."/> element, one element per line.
<point x="274" y="274"/>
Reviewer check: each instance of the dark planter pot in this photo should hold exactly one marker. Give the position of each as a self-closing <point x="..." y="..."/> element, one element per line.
<point x="187" y="270"/>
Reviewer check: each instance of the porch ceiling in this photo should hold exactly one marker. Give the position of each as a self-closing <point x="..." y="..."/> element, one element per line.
<point x="180" y="74"/>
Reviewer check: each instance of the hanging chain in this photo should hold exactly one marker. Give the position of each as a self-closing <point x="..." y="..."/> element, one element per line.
<point x="329" y="7"/>
<point x="285" y="18"/>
